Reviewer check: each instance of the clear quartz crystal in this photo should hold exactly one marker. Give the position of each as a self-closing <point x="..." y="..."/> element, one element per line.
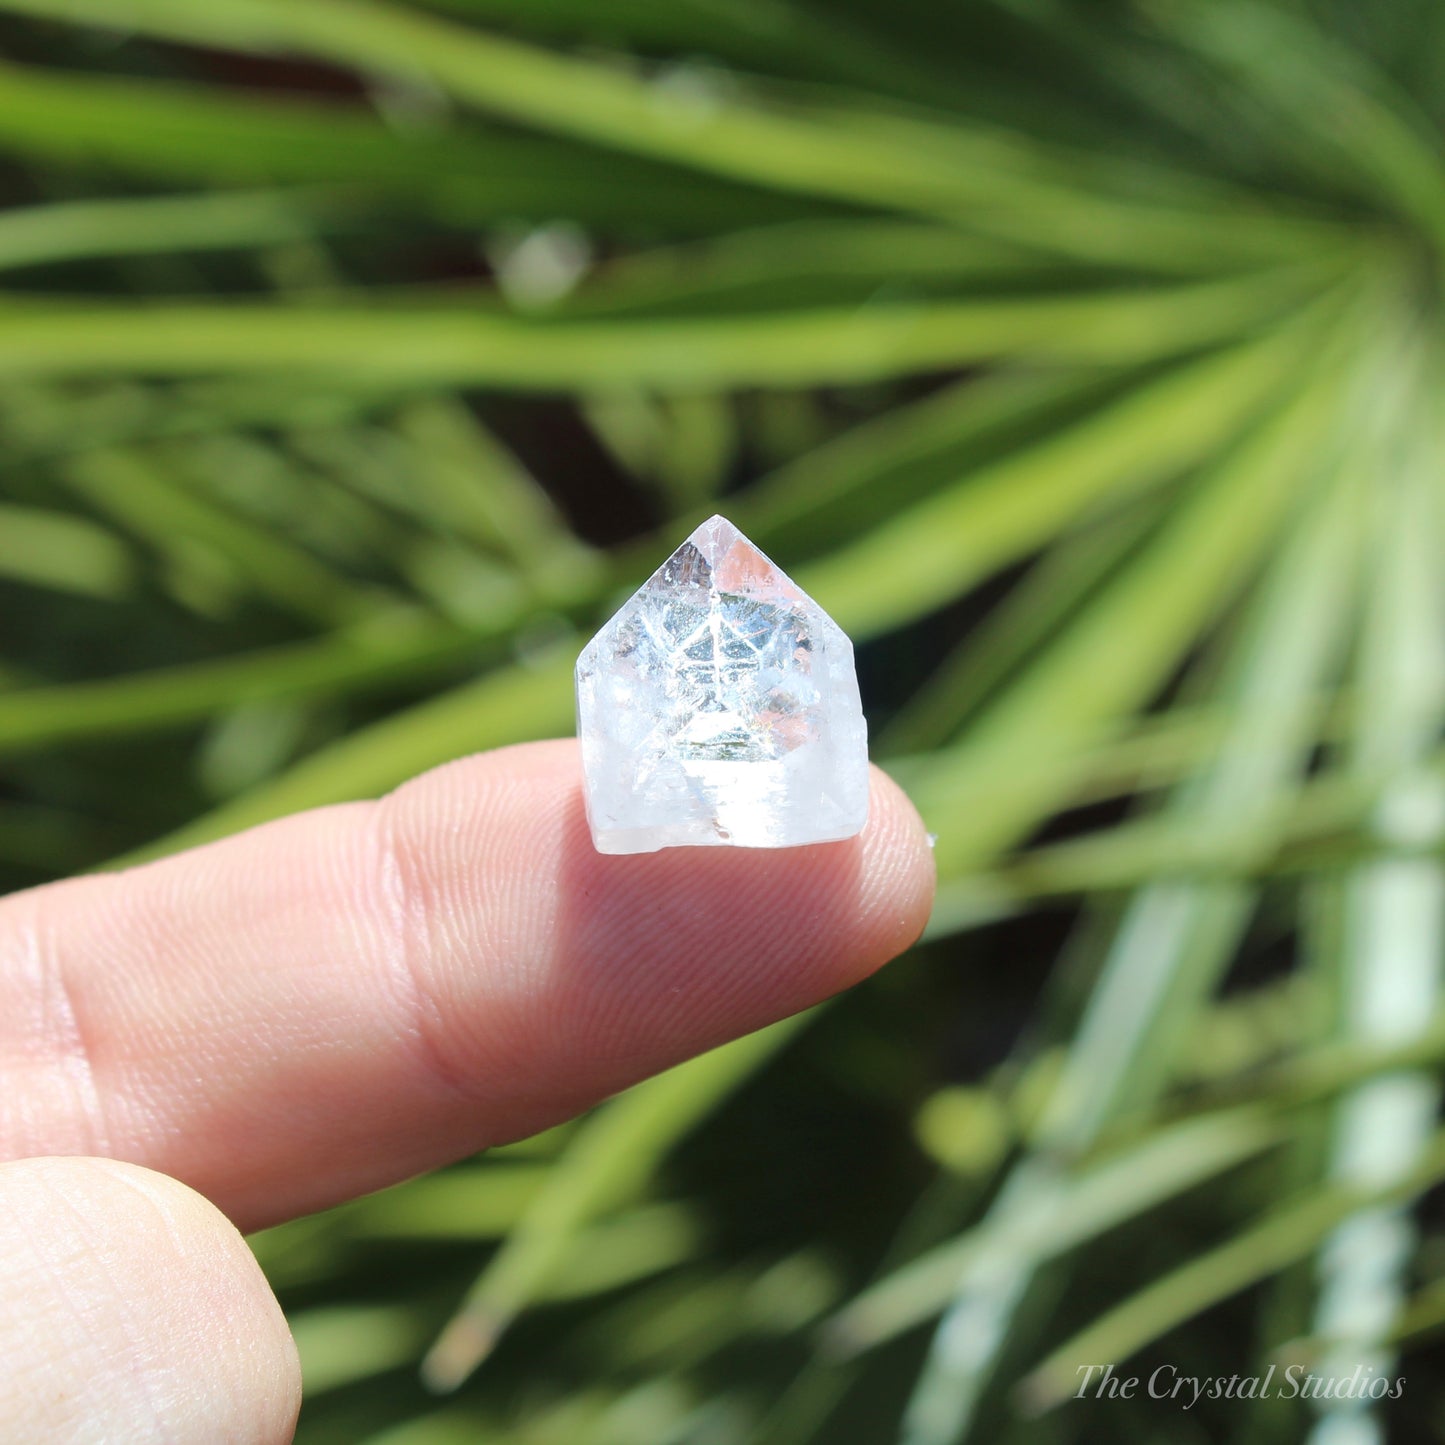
<point x="720" y="706"/>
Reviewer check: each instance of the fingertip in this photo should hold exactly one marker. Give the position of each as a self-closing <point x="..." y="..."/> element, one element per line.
<point x="616" y="965"/>
<point x="131" y="1309"/>
<point x="900" y="873"/>
<point x="653" y="957"/>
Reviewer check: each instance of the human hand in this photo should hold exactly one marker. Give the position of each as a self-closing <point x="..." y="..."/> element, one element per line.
<point x="331" y="1003"/>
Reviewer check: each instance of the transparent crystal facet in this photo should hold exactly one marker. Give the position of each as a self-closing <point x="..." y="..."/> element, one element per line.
<point x="720" y="706"/>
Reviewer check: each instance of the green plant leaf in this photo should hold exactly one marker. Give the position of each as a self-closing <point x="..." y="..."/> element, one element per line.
<point x="473" y="345"/>
<point x="189" y="133"/>
<point x="1289" y="1233"/>
<point x="858" y="155"/>
<point x="608" y="1161"/>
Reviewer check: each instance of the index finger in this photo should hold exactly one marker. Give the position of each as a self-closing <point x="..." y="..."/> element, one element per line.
<point x="338" y="1000"/>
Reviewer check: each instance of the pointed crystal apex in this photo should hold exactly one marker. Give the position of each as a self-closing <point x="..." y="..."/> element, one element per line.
<point x="720" y="706"/>
<point x="713" y="537"/>
<point x="716" y="555"/>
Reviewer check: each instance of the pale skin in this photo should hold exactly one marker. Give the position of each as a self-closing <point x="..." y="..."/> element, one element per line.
<point x="334" y="1002"/>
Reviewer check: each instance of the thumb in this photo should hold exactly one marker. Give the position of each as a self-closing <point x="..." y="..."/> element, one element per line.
<point x="132" y="1311"/>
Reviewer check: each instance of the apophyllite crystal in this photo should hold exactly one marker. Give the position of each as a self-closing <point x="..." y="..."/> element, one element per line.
<point x="720" y="706"/>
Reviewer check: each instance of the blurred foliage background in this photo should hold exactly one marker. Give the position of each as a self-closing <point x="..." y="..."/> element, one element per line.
<point x="1083" y="359"/>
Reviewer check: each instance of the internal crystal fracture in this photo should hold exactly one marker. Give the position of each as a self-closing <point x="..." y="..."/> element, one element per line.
<point x="720" y="706"/>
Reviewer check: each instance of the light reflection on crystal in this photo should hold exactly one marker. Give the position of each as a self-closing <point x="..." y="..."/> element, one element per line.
<point x="720" y="706"/>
